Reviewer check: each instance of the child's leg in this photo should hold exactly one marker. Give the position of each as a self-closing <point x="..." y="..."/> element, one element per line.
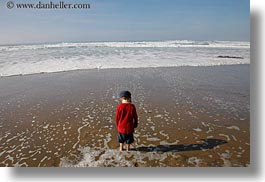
<point x="133" y="144"/>
<point x="128" y="147"/>
<point x="121" y="146"/>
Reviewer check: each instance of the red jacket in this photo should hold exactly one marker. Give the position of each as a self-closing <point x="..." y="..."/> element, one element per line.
<point x="126" y="115"/>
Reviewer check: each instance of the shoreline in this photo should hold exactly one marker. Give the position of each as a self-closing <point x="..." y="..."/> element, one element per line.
<point x="189" y="116"/>
<point x="98" y="69"/>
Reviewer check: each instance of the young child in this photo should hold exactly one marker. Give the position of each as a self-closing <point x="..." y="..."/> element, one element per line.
<point x="126" y="120"/>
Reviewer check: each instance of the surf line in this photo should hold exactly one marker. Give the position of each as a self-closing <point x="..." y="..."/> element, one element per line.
<point x="79" y="133"/>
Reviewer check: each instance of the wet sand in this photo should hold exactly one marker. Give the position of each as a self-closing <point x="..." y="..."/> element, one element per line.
<point x="189" y="116"/>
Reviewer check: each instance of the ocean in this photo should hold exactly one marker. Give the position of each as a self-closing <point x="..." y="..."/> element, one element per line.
<point x="56" y="57"/>
<point x="192" y="99"/>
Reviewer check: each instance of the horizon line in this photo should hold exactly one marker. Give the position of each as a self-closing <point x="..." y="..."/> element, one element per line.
<point x="87" y="41"/>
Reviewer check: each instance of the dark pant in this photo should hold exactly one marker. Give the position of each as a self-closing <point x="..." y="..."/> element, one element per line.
<point x="127" y="138"/>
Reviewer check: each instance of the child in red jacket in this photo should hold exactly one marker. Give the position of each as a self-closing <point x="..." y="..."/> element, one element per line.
<point x="126" y="120"/>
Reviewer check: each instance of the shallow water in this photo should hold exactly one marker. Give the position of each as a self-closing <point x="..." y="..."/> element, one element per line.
<point x="188" y="117"/>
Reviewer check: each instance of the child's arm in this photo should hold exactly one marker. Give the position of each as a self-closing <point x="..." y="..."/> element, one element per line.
<point x="117" y="116"/>
<point x="135" y="117"/>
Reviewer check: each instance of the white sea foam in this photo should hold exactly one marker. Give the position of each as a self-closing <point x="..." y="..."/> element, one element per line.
<point x="151" y="44"/>
<point x="29" y="59"/>
<point x="233" y="128"/>
<point x="197" y="129"/>
<point x="195" y="161"/>
<point x="106" y="158"/>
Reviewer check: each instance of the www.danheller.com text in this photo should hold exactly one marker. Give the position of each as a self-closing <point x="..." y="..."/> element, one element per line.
<point x="48" y="5"/>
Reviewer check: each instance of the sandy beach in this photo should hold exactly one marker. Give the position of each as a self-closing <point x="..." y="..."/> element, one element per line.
<point x="189" y="116"/>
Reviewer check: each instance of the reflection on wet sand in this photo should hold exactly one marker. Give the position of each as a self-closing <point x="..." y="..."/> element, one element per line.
<point x="188" y="117"/>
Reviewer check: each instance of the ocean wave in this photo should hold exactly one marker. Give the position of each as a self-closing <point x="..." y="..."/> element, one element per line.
<point x="30" y="59"/>
<point x="146" y="44"/>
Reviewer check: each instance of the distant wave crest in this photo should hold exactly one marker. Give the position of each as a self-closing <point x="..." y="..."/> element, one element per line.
<point x="151" y="44"/>
<point x="30" y="59"/>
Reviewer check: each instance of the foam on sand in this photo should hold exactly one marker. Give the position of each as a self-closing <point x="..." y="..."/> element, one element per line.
<point x="98" y="158"/>
<point x="104" y="157"/>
